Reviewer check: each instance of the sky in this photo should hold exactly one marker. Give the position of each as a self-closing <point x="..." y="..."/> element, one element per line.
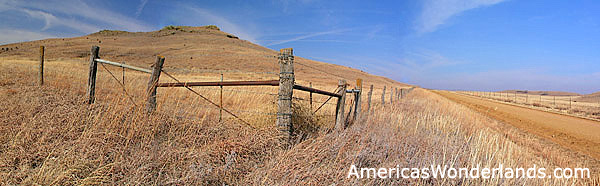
<point x="485" y="45"/>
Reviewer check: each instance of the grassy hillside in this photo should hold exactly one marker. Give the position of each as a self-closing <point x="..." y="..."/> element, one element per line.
<point x="190" y="50"/>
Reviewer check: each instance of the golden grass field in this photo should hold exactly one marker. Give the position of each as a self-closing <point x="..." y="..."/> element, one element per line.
<point x="51" y="137"/>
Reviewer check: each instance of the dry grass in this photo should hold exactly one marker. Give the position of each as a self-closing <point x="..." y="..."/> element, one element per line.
<point x="49" y="137"/>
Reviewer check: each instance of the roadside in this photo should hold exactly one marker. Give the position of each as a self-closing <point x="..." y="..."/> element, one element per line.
<point x="573" y="133"/>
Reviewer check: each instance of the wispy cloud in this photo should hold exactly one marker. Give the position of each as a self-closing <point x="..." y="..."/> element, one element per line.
<point x="308" y="36"/>
<point x="140" y="8"/>
<point x="437" y="12"/>
<point x="80" y="9"/>
<point x="51" y="20"/>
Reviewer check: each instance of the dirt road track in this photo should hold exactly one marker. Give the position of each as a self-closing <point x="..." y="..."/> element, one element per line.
<point x="571" y="132"/>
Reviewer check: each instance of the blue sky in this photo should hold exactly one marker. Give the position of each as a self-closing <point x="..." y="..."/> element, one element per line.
<point x="443" y="44"/>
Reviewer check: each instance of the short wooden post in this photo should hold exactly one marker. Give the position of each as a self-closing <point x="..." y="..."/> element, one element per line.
<point x="91" y="92"/>
<point x="340" y="122"/>
<point x="383" y="96"/>
<point x="310" y="96"/>
<point x="391" y="95"/>
<point x="358" y="100"/>
<point x="221" y="101"/>
<point x="41" y="79"/>
<point x="123" y="74"/>
<point x="369" y="101"/>
<point x="401" y="93"/>
<point x="151" y="90"/>
<point x="286" y="85"/>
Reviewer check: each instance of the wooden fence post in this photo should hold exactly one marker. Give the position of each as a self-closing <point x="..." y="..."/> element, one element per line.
<point x="340" y="122"/>
<point x="391" y="95"/>
<point x="286" y="85"/>
<point x="383" y="96"/>
<point x="91" y="92"/>
<point x="41" y="79"/>
<point x="369" y="101"/>
<point x="401" y="93"/>
<point x="310" y="97"/>
<point x="221" y="101"/>
<point x="151" y="90"/>
<point x="358" y="100"/>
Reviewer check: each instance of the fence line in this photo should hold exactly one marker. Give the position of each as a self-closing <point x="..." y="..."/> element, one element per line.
<point x="286" y="84"/>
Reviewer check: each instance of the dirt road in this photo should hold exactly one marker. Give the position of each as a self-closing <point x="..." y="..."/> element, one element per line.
<point x="571" y="132"/>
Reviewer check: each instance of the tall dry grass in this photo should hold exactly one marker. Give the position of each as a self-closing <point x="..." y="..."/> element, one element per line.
<point x="50" y="137"/>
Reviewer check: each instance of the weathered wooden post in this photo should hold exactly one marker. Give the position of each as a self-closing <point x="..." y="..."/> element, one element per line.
<point x="286" y="85"/>
<point x="151" y="90"/>
<point x="391" y="95"/>
<point x="310" y="97"/>
<point x="358" y="100"/>
<point x="369" y="101"/>
<point x="401" y="93"/>
<point x="340" y="122"/>
<point x="41" y="79"/>
<point x="383" y="96"/>
<point x="221" y="101"/>
<point x="91" y="92"/>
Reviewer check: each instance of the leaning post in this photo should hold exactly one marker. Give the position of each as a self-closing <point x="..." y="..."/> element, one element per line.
<point x="91" y="91"/>
<point x="340" y="122"/>
<point x="286" y="85"/>
<point x="151" y="89"/>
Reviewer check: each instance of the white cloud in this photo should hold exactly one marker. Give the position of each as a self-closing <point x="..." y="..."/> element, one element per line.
<point x="80" y="9"/>
<point x="437" y="12"/>
<point x="14" y="35"/>
<point x="140" y="8"/>
<point x="308" y="36"/>
<point x="51" y="20"/>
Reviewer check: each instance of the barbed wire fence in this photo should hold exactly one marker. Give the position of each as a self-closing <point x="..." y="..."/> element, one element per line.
<point x="284" y="98"/>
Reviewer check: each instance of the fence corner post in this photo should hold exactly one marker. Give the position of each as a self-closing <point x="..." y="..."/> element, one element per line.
<point x="340" y="122"/>
<point x="151" y="89"/>
<point x="91" y="92"/>
<point x="41" y="78"/>
<point x="286" y="87"/>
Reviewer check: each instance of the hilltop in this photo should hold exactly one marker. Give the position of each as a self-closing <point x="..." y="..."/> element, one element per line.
<point x="204" y="49"/>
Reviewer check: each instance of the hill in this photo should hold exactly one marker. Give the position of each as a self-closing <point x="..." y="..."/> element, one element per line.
<point x="188" y="49"/>
<point x="544" y="93"/>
